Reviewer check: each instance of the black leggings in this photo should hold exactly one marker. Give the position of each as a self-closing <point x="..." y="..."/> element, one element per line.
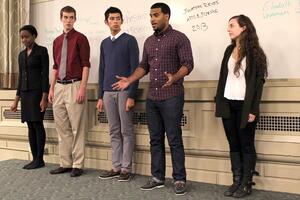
<point x="240" y="140"/>
<point x="37" y="139"/>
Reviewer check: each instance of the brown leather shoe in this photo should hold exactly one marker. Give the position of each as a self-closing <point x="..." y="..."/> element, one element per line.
<point x="60" y="170"/>
<point x="76" y="172"/>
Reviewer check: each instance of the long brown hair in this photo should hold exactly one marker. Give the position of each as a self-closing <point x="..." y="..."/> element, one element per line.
<point x="249" y="45"/>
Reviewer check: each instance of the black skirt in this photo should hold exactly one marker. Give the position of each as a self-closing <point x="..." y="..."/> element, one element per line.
<point x="30" y="106"/>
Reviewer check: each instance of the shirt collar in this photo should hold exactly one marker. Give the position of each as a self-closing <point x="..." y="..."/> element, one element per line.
<point x="117" y="35"/>
<point x="71" y="32"/>
<point x="34" y="46"/>
<point x="159" y="34"/>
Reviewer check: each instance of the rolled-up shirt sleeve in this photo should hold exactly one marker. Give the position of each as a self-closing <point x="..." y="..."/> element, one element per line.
<point x="185" y="53"/>
<point x="55" y="64"/>
<point x="84" y="51"/>
<point x="144" y="62"/>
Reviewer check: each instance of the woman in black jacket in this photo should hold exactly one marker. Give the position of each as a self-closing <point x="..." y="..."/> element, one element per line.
<point x="33" y="91"/>
<point x="242" y="75"/>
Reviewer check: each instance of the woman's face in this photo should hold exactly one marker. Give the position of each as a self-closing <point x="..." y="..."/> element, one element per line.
<point x="234" y="29"/>
<point x="27" y="38"/>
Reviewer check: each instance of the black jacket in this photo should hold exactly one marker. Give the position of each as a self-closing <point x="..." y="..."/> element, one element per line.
<point x="34" y="70"/>
<point x="255" y="79"/>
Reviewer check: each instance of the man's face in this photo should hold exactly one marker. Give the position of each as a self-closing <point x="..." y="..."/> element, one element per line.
<point x="68" y="20"/>
<point x="158" y="19"/>
<point x="114" y="22"/>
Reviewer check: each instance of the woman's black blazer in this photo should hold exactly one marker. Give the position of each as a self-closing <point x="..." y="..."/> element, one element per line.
<point x="255" y="79"/>
<point x="34" y="70"/>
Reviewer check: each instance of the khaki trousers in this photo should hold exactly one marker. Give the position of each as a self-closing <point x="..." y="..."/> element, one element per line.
<point x="70" y="119"/>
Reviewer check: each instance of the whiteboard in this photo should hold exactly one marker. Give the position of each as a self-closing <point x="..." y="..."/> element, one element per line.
<point x="203" y="21"/>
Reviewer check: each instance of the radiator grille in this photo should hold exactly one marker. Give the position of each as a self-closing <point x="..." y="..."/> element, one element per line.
<point x="279" y="123"/>
<point x="268" y="122"/>
<point x="17" y="115"/>
<point x="140" y="117"/>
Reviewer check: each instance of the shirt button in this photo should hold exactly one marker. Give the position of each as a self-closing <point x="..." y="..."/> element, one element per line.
<point x="156" y="88"/>
<point x="158" y="40"/>
<point x="155" y="69"/>
<point x="156" y="49"/>
<point x="155" y="79"/>
<point x="156" y="59"/>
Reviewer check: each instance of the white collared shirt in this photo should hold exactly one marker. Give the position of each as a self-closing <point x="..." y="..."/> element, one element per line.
<point x="116" y="36"/>
<point x="235" y="87"/>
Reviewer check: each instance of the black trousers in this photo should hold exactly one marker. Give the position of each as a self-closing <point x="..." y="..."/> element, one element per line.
<point x="37" y="139"/>
<point x="240" y="140"/>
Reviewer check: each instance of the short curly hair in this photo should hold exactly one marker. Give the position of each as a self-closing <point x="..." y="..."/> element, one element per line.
<point x="31" y="29"/>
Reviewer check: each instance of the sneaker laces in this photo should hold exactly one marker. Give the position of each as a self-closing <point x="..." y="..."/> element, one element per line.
<point x="151" y="181"/>
<point x="179" y="184"/>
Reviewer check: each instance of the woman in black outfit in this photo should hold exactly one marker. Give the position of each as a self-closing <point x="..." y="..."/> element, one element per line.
<point x="239" y="91"/>
<point x="33" y="91"/>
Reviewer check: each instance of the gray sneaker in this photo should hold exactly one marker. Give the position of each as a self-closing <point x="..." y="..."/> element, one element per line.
<point x="180" y="187"/>
<point x="152" y="184"/>
<point x="109" y="174"/>
<point x="124" y="176"/>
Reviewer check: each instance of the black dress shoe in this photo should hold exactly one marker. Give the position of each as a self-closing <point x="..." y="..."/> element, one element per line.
<point x="36" y="165"/>
<point x="76" y="172"/>
<point x="27" y="165"/>
<point x="60" y="170"/>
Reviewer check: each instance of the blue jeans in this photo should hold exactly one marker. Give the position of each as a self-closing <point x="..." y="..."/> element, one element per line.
<point x="165" y="116"/>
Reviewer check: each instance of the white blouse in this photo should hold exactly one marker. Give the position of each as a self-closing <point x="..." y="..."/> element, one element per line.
<point x="235" y="87"/>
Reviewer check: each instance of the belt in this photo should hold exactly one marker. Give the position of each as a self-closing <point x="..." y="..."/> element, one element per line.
<point x="68" y="81"/>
